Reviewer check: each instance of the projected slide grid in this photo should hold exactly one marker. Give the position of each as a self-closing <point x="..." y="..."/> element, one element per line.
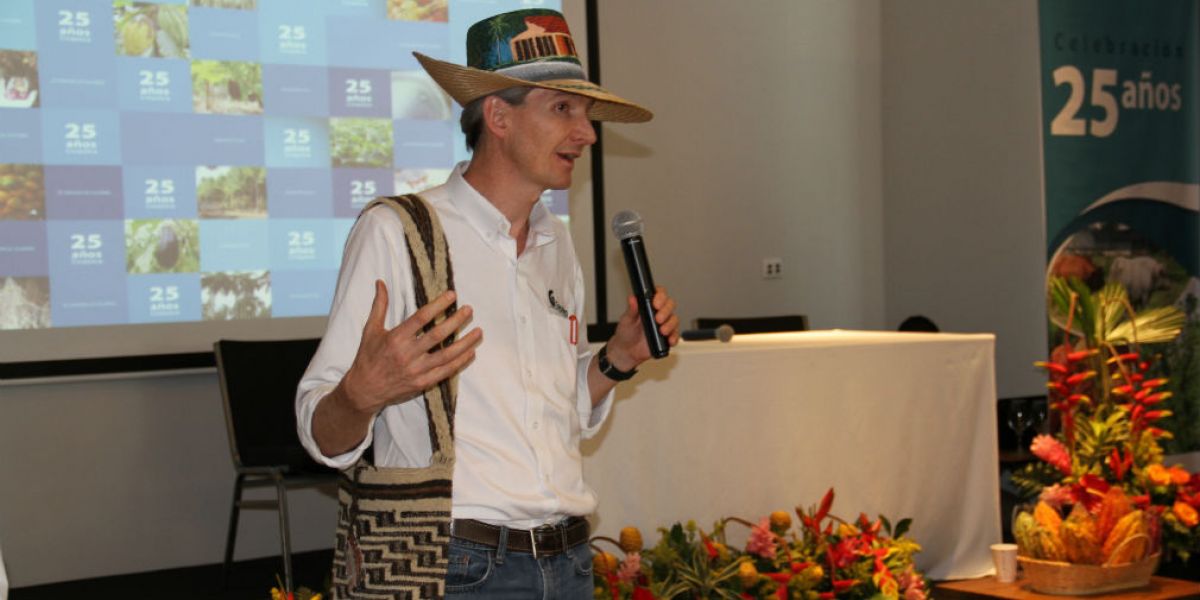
<point x="205" y="160"/>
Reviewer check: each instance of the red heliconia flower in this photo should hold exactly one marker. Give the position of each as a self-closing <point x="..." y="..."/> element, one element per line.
<point x="1120" y="466"/>
<point x="709" y="548"/>
<point x="611" y="578"/>
<point x="1079" y="378"/>
<point x="780" y="578"/>
<point x="813" y="522"/>
<point x="641" y="593"/>
<point x="1156" y="398"/>
<point x="1090" y="491"/>
<point x="1154" y="383"/>
<point x="1192" y="500"/>
<point x="841" y="585"/>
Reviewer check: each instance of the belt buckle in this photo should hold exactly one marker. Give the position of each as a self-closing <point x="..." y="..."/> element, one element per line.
<point x="533" y="533"/>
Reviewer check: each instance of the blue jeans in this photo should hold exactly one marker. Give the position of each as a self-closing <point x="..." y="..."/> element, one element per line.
<point x="478" y="571"/>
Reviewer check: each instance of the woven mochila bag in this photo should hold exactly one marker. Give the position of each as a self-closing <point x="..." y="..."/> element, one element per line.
<point x="393" y="530"/>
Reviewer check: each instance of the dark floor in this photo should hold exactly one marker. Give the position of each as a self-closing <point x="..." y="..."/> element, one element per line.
<point x="248" y="580"/>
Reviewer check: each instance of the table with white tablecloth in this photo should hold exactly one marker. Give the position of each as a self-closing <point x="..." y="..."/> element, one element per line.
<point x="900" y="424"/>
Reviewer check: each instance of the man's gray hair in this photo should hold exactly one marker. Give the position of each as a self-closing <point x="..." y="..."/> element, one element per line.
<point x="472" y="114"/>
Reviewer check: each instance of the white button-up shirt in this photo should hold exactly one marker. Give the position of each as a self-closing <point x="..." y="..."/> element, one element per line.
<point x="523" y="403"/>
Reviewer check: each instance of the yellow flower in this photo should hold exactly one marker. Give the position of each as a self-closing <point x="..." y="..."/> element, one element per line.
<point x="1158" y="474"/>
<point x="604" y="563"/>
<point x="748" y="574"/>
<point x="814" y="573"/>
<point x="780" y="521"/>
<point x="1186" y="514"/>
<point x="631" y="540"/>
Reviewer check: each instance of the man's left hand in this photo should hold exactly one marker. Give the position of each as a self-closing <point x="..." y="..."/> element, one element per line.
<point x="628" y="347"/>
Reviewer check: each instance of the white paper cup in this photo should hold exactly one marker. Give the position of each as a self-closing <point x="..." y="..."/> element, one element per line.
<point x="1005" y="557"/>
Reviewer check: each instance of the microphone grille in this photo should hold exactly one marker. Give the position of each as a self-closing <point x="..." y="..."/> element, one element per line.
<point x="725" y="332"/>
<point x="627" y="224"/>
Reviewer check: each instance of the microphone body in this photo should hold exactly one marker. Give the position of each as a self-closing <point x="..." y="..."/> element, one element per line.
<point x="723" y="333"/>
<point x="627" y="226"/>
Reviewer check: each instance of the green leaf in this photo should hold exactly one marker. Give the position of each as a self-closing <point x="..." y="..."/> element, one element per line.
<point x="1152" y="326"/>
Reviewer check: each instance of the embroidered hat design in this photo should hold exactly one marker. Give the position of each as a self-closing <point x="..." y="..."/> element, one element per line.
<point x="531" y="47"/>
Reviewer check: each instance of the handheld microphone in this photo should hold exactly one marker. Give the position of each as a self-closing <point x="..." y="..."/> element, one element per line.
<point x="627" y="226"/>
<point x="723" y="333"/>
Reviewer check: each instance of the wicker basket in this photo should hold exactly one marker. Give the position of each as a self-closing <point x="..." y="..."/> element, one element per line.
<point x="1053" y="577"/>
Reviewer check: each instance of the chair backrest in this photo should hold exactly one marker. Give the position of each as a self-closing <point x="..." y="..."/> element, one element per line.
<point x="756" y="324"/>
<point x="258" y="386"/>
<point x="918" y="323"/>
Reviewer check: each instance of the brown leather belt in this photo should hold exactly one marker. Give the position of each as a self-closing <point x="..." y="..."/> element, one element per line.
<point x="546" y="540"/>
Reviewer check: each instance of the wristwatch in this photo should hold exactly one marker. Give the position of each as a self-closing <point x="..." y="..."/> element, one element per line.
<point x="609" y="370"/>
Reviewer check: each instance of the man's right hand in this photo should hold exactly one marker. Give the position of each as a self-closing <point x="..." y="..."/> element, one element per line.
<point x="392" y="366"/>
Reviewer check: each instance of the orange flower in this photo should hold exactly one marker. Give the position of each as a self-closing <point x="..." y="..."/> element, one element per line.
<point x="1179" y="475"/>
<point x="1158" y="474"/>
<point x="1186" y="514"/>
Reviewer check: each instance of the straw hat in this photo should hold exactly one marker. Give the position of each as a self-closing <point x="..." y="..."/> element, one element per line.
<point x="530" y="47"/>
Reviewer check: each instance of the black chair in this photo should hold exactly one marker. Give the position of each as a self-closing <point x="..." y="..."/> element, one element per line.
<point x="757" y="324"/>
<point x="918" y="323"/>
<point x="258" y="386"/>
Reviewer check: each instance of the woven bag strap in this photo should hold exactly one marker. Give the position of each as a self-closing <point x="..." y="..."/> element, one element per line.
<point x="433" y="274"/>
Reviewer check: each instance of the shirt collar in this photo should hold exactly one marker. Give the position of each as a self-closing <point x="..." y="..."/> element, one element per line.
<point x="487" y="219"/>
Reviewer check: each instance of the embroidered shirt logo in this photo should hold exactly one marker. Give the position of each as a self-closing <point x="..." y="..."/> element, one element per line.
<point x="558" y="308"/>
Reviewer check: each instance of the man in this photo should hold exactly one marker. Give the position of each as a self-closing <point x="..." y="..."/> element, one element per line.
<point x="532" y="389"/>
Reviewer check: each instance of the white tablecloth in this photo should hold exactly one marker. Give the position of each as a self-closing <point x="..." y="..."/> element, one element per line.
<point x="901" y="424"/>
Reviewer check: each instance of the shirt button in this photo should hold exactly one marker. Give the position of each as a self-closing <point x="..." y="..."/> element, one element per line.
<point x="523" y="319"/>
<point x="535" y="424"/>
<point x="529" y="373"/>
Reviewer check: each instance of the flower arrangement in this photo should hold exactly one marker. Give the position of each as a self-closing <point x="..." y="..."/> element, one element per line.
<point x="825" y="557"/>
<point x="1104" y="466"/>
<point x="281" y="593"/>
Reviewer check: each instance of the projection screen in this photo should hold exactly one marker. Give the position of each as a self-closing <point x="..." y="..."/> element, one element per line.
<point x="176" y="172"/>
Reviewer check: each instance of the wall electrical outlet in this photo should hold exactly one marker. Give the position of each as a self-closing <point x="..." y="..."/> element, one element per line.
<point x="772" y="268"/>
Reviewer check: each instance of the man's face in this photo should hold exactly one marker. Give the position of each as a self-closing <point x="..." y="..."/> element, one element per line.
<point x="549" y="132"/>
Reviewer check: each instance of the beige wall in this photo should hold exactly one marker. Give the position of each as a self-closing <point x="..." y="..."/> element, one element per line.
<point x="766" y="143"/>
<point x="963" y="219"/>
<point x="127" y="475"/>
<point x="886" y="151"/>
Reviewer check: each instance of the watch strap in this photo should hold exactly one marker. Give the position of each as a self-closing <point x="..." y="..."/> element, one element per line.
<point x="609" y="370"/>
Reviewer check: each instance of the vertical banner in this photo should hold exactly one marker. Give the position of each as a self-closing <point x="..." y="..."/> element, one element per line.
<point x="1120" y="136"/>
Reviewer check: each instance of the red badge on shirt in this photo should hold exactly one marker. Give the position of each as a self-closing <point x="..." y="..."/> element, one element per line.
<point x="573" y="327"/>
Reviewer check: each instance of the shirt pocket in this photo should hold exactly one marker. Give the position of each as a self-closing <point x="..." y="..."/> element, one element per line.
<point x="558" y="339"/>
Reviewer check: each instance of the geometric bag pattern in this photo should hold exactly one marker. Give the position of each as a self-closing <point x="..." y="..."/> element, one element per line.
<point x="393" y="529"/>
